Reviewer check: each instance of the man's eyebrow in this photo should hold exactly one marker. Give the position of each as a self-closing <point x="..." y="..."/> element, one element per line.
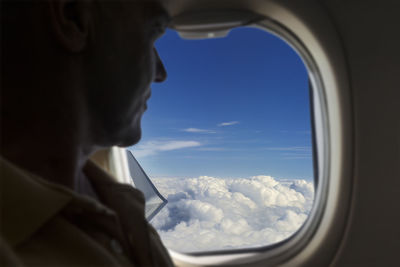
<point x="163" y="17"/>
<point x="168" y="20"/>
<point x="156" y="12"/>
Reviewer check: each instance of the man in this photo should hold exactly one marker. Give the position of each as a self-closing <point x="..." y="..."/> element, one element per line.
<point x="75" y="77"/>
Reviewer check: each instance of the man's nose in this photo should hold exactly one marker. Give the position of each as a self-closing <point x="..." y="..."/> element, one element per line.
<point x="161" y="73"/>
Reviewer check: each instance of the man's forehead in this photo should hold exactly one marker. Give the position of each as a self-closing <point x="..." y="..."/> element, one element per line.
<point x="150" y="7"/>
<point x="156" y="4"/>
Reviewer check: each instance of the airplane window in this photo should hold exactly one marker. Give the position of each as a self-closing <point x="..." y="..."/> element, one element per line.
<point x="227" y="140"/>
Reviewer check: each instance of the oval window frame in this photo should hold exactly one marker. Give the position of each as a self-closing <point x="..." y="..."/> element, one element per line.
<point x="326" y="222"/>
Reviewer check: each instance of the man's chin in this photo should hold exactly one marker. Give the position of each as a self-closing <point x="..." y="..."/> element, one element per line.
<point x="130" y="138"/>
<point x="119" y="134"/>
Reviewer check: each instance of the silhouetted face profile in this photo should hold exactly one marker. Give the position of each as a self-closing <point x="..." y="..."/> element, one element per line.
<point x="79" y="72"/>
<point x="121" y="67"/>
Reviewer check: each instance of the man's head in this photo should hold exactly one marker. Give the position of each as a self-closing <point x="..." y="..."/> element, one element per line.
<point x="122" y="64"/>
<point x="90" y="62"/>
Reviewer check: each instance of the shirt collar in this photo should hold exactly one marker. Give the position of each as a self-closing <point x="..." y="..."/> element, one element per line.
<point x="27" y="202"/>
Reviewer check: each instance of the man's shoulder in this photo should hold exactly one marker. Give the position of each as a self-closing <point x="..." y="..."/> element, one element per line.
<point x="27" y="202"/>
<point x="31" y="207"/>
<point x="7" y="256"/>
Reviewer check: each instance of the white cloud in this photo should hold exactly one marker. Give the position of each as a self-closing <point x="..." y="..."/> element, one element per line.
<point x="196" y="130"/>
<point x="228" y="123"/>
<point x="212" y="149"/>
<point x="209" y="213"/>
<point x="173" y="145"/>
<point x="291" y="148"/>
<point x="154" y="147"/>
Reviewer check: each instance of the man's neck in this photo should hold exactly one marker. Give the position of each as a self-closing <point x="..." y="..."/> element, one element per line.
<point x="53" y="153"/>
<point x="85" y="187"/>
<point x="54" y="167"/>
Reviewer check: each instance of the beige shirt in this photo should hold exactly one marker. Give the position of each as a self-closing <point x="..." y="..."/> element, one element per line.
<point x="45" y="224"/>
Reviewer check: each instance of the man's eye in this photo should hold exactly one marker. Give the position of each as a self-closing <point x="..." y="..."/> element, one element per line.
<point x="158" y="30"/>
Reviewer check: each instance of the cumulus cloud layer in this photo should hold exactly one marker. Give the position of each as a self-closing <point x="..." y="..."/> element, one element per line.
<point x="209" y="213"/>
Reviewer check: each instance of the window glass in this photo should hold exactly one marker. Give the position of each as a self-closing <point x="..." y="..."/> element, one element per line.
<point x="227" y="140"/>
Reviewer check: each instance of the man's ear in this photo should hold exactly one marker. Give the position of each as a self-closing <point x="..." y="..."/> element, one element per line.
<point x="71" y="20"/>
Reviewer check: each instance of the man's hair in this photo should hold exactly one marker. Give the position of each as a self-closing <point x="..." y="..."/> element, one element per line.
<point x="15" y="19"/>
<point x="11" y="10"/>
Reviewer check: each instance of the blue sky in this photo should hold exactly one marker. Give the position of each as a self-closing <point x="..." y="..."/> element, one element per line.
<point x="231" y="107"/>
